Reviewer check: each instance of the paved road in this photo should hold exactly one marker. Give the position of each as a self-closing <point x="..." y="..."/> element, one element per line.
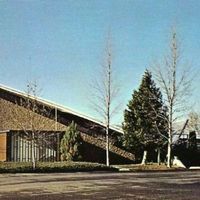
<point x="165" y="185"/>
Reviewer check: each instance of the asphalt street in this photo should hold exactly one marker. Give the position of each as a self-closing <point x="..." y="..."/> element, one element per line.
<point x="157" y="185"/>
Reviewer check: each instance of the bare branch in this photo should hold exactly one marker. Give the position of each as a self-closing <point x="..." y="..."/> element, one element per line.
<point x="104" y="91"/>
<point x="175" y="84"/>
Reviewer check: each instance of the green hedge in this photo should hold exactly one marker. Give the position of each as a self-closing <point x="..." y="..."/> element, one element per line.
<point x="46" y="167"/>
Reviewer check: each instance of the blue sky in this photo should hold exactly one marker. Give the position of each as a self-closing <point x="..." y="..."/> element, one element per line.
<point x="61" y="43"/>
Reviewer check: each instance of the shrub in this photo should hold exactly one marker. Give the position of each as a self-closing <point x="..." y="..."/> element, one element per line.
<point x="49" y="167"/>
<point x="70" y="144"/>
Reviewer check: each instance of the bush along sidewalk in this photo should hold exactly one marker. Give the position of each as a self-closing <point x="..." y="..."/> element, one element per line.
<point x="50" y="167"/>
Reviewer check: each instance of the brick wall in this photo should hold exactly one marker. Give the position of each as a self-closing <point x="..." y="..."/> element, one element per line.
<point x="3" y="146"/>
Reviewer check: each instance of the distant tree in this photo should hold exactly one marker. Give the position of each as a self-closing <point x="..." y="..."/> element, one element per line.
<point x="141" y="122"/>
<point x="70" y="143"/>
<point x="194" y="122"/>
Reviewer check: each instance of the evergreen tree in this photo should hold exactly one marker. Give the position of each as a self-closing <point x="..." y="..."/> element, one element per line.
<point x="70" y="144"/>
<point x="143" y="124"/>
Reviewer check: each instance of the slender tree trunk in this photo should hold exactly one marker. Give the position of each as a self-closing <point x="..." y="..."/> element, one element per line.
<point x="108" y="97"/>
<point x="169" y="146"/>
<point x="107" y="146"/>
<point x="144" y="159"/>
<point x="57" y="136"/>
<point x="107" y="131"/>
<point x="169" y="139"/>
<point x="33" y="151"/>
<point x="158" y="156"/>
<point x="58" y="147"/>
<point x="169" y="154"/>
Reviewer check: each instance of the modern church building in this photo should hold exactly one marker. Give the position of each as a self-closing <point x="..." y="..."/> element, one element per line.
<point x="49" y="122"/>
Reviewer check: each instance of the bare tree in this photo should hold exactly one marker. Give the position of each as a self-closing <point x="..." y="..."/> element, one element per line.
<point x="174" y="79"/>
<point x="104" y="93"/>
<point x="194" y="122"/>
<point x="34" y="119"/>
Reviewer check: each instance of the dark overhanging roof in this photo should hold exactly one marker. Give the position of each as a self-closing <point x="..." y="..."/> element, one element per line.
<point x="60" y="108"/>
